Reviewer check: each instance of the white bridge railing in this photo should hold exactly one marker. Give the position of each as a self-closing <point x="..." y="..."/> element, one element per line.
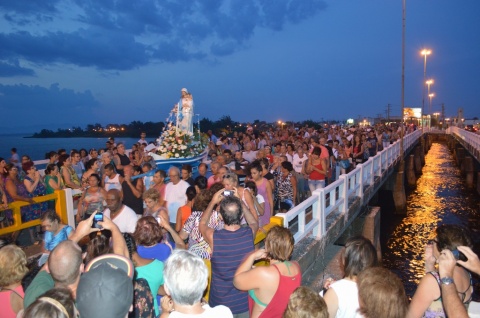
<point x="470" y="138"/>
<point x="338" y="195"/>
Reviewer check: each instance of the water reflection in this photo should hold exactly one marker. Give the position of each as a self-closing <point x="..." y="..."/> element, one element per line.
<point x="439" y="198"/>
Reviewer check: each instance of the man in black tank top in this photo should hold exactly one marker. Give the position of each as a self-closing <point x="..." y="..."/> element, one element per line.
<point x="133" y="190"/>
<point x="121" y="159"/>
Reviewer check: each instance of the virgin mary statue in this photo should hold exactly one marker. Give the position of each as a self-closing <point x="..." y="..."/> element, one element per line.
<point x="185" y="112"/>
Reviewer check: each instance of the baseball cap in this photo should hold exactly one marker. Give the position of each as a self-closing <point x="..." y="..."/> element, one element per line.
<point x="106" y="288"/>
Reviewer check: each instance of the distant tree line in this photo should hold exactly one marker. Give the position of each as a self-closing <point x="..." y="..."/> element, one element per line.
<point x="153" y="129"/>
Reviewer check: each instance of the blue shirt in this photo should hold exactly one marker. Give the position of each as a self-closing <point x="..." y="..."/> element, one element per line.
<point x="51" y="241"/>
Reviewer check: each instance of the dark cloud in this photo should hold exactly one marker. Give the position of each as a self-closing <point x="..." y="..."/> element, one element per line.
<point x="223" y="48"/>
<point x="125" y="34"/>
<point x="29" y="6"/>
<point x="100" y="49"/>
<point x="13" y="68"/>
<point x="40" y="105"/>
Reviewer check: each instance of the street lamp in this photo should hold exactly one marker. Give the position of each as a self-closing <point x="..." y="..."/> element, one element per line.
<point x="280" y="123"/>
<point x="430" y="95"/>
<point x="424" y="52"/>
<point x="429" y="83"/>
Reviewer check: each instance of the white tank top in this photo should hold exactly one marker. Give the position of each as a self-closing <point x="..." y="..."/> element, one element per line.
<point x="113" y="183"/>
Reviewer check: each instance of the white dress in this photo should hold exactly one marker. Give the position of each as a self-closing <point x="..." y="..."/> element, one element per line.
<point x="185" y="121"/>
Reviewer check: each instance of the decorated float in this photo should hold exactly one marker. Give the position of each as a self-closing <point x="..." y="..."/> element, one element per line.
<point x="179" y="144"/>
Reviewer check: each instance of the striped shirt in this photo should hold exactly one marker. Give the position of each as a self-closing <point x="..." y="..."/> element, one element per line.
<point x="229" y="249"/>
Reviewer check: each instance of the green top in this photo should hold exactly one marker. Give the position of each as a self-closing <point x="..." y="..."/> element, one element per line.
<point x="50" y="190"/>
<point x="39" y="285"/>
<point x="153" y="274"/>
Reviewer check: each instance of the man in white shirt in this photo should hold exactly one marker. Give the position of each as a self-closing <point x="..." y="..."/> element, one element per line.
<point x="175" y="194"/>
<point x="142" y="139"/>
<point x="185" y="277"/>
<point x="249" y="154"/>
<point x="124" y="217"/>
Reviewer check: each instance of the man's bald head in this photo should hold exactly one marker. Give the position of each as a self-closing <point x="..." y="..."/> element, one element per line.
<point x="64" y="263"/>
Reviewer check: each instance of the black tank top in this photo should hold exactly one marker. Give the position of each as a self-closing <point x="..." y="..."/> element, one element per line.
<point x="129" y="199"/>
<point x="124" y="161"/>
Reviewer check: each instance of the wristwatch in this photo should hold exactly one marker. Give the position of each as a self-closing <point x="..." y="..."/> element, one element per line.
<point x="447" y="280"/>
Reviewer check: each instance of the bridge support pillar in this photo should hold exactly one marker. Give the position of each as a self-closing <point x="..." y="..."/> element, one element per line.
<point x="399" y="197"/>
<point x="423" y="149"/>
<point x="478" y="182"/>
<point x="411" y="177"/>
<point x="469" y="170"/>
<point x="418" y="160"/>
<point x="371" y="230"/>
<point x="460" y="155"/>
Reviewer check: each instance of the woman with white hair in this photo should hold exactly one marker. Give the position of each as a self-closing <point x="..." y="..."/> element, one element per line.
<point x="186" y="278"/>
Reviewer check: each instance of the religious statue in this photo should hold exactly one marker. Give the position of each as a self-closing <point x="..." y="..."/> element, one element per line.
<point x="184" y="110"/>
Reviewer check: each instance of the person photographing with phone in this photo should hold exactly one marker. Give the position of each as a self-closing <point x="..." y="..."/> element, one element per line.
<point x="428" y="297"/>
<point x="447" y="262"/>
<point x="233" y="243"/>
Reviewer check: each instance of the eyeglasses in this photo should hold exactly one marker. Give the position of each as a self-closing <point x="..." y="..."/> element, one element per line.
<point x="227" y="176"/>
<point x="431" y="242"/>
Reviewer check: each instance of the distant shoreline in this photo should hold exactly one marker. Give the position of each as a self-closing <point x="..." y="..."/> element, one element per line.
<point x="83" y="136"/>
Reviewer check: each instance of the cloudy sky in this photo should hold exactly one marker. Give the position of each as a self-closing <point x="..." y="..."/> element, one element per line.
<point x="73" y="62"/>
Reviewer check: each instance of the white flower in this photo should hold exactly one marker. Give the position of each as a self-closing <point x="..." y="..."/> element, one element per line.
<point x="177" y="155"/>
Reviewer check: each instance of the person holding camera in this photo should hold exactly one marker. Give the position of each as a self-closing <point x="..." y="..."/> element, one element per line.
<point x="229" y="246"/>
<point x="427" y="300"/>
<point x="447" y="262"/>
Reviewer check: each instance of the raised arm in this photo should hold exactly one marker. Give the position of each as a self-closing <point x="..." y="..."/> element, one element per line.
<point x="119" y="245"/>
<point x="179" y="244"/>
<point x="207" y="232"/>
<point x="137" y="189"/>
<point x="251" y="220"/>
<point x="472" y="263"/>
<point x="31" y="186"/>
<point x="450" y="300"/>
<point x="246" y="277"/>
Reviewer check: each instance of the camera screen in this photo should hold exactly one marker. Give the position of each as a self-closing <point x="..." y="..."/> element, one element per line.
<point x="98" y="217"/>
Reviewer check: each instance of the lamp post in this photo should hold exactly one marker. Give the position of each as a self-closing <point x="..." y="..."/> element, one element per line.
<point x="424" y="52"/>
<point x="430" y="96"/>
<point x="429" y="83"/>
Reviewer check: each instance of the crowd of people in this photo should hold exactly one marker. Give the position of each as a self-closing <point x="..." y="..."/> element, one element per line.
<point x="149" y="244"/>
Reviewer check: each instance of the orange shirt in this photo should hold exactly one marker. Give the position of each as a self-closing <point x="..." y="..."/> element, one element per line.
<point x="186" y="212"/>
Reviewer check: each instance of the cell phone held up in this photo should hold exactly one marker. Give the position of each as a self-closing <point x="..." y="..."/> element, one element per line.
<point x="98" y="217"/>
<point x="227" y="193"/>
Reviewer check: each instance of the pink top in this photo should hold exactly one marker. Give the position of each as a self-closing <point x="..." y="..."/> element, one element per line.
<point x="7" y="311"/>
<point x="262" y="189"/>
<point x="278" y="304"/>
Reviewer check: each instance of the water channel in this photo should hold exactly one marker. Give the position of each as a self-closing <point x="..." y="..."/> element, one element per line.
<point x="440" y="197"/>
